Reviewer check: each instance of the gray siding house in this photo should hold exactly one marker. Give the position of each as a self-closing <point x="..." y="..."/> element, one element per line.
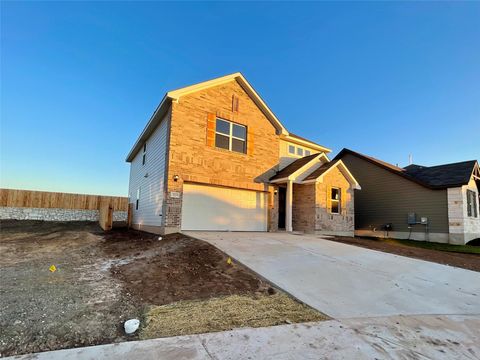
<point x="437" y="203"/>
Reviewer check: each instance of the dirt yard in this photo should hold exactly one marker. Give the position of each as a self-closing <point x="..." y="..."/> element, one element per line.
<point x="452" y="258"/>
<point x="103" y="279"/>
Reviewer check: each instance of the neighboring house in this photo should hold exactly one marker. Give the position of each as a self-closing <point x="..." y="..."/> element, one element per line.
<point x="432" y="203"/>
<point x="214" y="157"/>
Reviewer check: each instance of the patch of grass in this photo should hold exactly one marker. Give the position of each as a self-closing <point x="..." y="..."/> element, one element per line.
<point x="225" y="313"/>
<point x="435" y="246"/>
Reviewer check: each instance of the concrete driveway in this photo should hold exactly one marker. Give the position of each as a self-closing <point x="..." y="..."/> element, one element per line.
<point x="346" y="281"/>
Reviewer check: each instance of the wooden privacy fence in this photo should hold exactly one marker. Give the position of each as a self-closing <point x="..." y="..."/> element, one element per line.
<point x="45" y="199"/>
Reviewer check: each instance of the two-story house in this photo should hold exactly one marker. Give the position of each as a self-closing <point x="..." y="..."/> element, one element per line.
<point x="213" y="156"/>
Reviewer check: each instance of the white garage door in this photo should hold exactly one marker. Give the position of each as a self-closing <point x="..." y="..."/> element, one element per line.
<point x="219" y="208"/>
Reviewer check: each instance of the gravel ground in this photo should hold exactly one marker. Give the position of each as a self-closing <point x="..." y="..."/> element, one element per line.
<point x="79" y="304"/>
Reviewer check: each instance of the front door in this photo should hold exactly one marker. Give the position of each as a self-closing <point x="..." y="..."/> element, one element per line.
<point x="282" y="202"/>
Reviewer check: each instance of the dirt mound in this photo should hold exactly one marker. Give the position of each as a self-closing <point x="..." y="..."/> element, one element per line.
<point x="177" y="268"/>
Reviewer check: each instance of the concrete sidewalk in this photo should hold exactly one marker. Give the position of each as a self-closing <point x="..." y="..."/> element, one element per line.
<point x="346" y="281"/>
<point x="397" y="337"/>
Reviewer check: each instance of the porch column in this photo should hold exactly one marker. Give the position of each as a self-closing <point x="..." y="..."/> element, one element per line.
<point x="288" y="205"/>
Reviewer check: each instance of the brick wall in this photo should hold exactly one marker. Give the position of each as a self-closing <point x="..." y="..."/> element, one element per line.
<point x="303" y="207"/>
<point x="192" y="159"/>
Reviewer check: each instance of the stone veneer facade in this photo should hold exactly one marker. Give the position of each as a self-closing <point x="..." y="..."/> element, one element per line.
<point x="311" y="206"/>
<point x="54" y="214"/>
<point x="194" y="158"/>
<point x="462" y="228"/>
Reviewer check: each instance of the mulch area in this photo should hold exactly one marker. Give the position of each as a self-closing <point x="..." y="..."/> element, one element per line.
<point x="461" y="260"/>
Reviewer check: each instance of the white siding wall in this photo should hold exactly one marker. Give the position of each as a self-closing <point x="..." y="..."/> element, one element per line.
<point x="152" y="187"/>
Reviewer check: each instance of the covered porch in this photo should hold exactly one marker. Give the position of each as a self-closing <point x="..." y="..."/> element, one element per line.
<point x="315" y="195"/>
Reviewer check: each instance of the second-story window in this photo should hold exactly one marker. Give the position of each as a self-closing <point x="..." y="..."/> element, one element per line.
<point x="230" y="136"/>
<point x="144" y="157"/>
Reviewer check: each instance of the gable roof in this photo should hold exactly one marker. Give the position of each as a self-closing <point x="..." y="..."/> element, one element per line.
<point x="175" y="95"/>
<point x="321" y="170"/>
<point x="293" y="167"/>
<point x="319" y="173"/>
<point x="433" y="177"/>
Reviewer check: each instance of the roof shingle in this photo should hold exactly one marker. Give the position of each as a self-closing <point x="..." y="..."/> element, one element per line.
<point x="321" y="170"/>
<point x="434" y="177"/>
<point x="448" y="175"/>
<point x="294" y="166"/>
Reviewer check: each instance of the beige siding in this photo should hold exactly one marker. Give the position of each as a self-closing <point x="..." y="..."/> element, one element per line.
<point x="388" y="198"/>
<point x="286" y="158"/>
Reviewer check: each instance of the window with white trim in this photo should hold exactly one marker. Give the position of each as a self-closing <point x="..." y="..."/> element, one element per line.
<point x="144" y="157"/>
<point x="137" y="202"/>
<point x="335" y="196"/>
<point x="472" y="203"/>
<point x="307" y="152"/>
<point x="291" y="149"/>
<point x="230" y="136"/>
<point x="299" y="151"/>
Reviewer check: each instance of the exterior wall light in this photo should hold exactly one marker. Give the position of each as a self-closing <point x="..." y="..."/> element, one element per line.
<point x="176" y="177"/>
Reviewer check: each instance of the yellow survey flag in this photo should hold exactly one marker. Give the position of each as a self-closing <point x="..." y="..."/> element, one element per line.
<point x="52" y="268"/>
<point x="229" y="261"/>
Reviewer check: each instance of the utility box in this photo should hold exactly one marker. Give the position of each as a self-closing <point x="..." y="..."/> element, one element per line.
<point x="424" y="220"/>
<point x="412" y="218"/>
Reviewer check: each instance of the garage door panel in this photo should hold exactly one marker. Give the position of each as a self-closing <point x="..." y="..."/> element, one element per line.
<point x="218" y="208"/>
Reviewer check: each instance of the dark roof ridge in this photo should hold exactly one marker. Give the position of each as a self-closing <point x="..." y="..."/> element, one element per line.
<point x="434" y="166"/>
<point x="294" y="166"/>
<point x="410" y="175"/>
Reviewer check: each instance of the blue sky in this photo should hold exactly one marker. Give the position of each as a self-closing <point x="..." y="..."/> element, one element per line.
<point x="80" y="80"/>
